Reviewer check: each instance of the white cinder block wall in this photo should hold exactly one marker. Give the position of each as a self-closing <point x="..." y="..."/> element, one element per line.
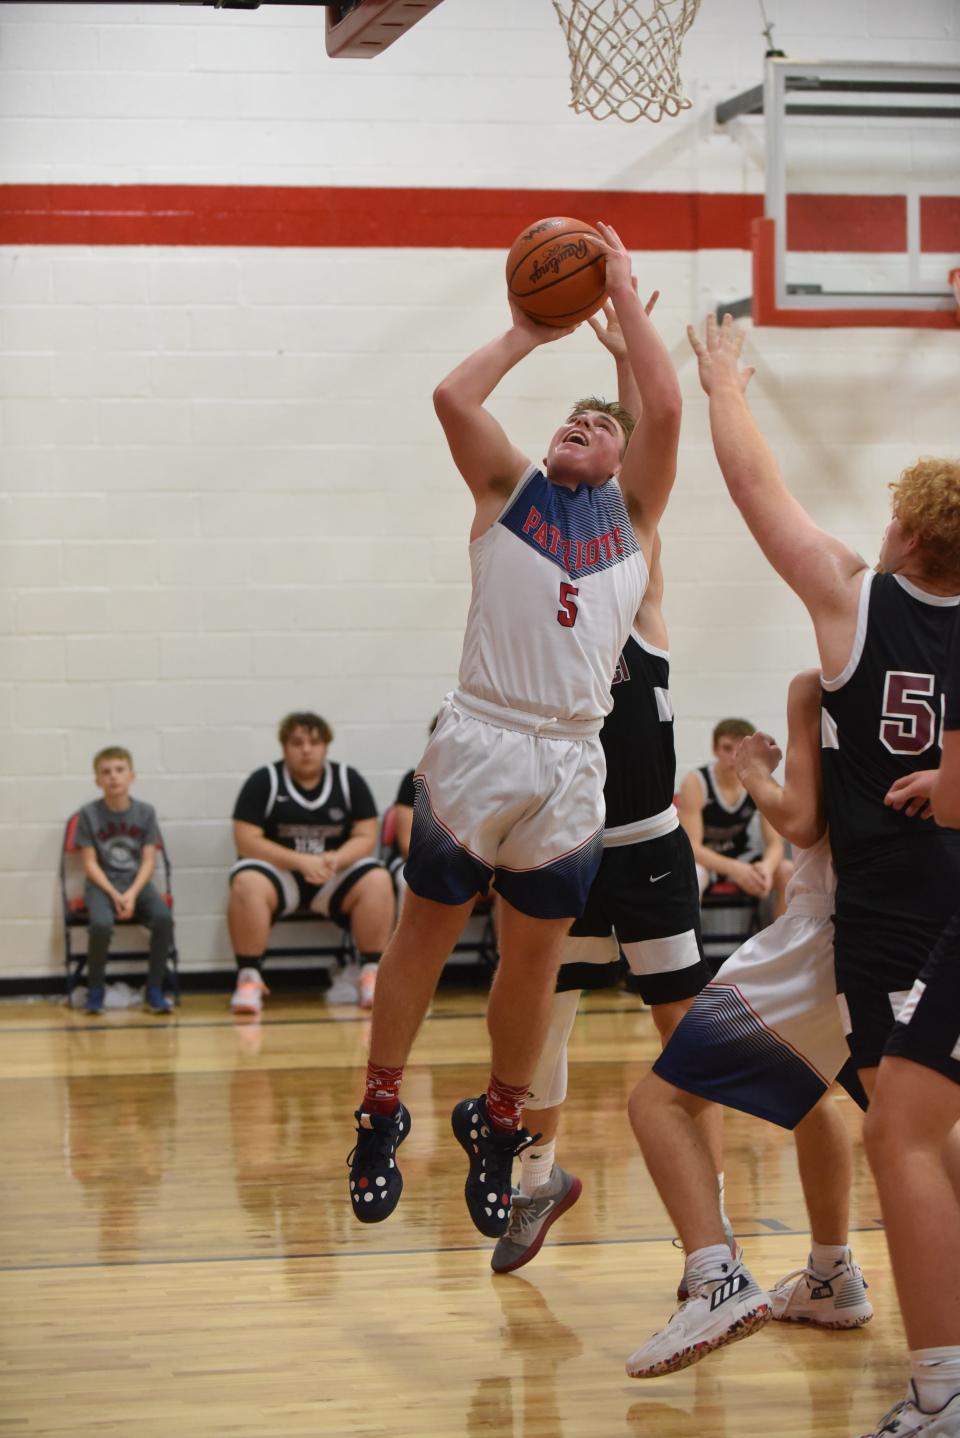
<point x="225" y="494"/>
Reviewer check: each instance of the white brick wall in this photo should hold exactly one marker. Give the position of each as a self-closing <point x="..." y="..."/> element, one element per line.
<point x="225" y="491"/>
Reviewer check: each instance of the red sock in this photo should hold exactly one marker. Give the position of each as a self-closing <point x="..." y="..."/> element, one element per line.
<point x="505" y="1103"/>
<point x="382" y="1093"/>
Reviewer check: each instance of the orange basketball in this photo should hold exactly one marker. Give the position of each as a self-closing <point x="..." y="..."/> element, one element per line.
<point x="557" y="271"/>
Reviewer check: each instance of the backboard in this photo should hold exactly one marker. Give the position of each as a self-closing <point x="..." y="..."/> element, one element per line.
<point x="862" y="205"/>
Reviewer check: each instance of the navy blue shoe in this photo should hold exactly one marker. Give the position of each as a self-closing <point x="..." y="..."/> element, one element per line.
<point x="95" y="997"/>
<point x="491" y="1153"/>
<point x="156" y="1002"/>
<point x="375" y="1181"/>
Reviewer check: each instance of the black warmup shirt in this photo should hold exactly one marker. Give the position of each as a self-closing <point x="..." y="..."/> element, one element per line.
<point x="308" y="821"/>
<point x="725" y="830"/>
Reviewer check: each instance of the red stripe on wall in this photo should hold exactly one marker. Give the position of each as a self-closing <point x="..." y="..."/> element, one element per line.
<point x="940" y="224"/>
<point x="241" y="215"/>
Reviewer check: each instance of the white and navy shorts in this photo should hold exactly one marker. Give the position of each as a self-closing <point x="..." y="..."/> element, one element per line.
<point x="509" y="805"/>
<point x="927" y="1029"/>
<point x="296" y="896"/>
<point x="766" y="1035"/>
<point x="646" y="893"/>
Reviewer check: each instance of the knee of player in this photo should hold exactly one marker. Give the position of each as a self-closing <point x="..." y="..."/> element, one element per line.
<point x="101" y="928"/>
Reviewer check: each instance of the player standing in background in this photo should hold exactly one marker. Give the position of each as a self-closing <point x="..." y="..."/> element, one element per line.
<point x="510" y="786"/>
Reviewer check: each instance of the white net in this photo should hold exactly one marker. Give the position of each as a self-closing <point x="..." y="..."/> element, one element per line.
<point x="625" y="55"/>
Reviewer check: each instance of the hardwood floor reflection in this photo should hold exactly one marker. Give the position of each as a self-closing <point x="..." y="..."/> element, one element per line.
<point x="179" y="1255"/>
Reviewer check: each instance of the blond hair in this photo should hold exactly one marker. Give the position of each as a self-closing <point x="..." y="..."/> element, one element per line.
<point x="113" y="751"/>
<point x="926" y="501"/>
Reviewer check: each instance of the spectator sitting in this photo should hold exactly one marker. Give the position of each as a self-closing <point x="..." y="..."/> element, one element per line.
<point x="719" y="815"/>
<point x="306" y="831"/>
<point x="117" y="837"/>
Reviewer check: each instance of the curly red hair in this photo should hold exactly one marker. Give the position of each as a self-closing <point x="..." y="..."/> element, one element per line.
<point x="926" y="500"/>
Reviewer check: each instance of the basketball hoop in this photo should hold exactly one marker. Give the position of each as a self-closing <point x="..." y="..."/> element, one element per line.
<point x="625" y="54"/>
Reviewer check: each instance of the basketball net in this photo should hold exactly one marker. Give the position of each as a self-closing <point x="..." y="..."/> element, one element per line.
<point x="625" y="54"/>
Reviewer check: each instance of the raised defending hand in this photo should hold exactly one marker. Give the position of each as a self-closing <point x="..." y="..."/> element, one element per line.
<point x="719" y="358"/>
<point x="912" y="793"/>
<point x="757" y="753"/>
<point x="619" y="270"/>
<point x="541" y="334"/>
<point x="608" y="330"/>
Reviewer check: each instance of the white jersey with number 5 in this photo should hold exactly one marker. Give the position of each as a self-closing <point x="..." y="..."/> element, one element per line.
<point x="557" y="581"/>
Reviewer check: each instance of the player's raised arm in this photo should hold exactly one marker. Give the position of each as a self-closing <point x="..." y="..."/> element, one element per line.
<point x="650" y="462"/>
<point x="822" y="570"/>
<point x="794" y="809"/>
<point x="486" y="458"/>
<point x="608" y="332"/>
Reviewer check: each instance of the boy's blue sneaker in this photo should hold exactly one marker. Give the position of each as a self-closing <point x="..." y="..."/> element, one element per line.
<point x="375" y="1181"/>
<point x="95" y="997"/>
<point x="491" y="1152"/>
<point x="156" y="1001"/>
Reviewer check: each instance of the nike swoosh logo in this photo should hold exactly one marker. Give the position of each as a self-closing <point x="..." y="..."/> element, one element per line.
<point x="655" y="879"/>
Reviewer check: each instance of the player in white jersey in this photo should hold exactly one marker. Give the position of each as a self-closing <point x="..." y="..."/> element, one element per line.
<point x="764" y="1037"/>
<point x="510" y="786"/>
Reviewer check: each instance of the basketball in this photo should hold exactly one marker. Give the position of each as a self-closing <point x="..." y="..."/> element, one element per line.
<point x="557" y="271"/>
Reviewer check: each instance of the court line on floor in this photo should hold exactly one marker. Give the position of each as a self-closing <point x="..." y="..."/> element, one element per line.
<point x="875" y="1227"/>
<point x="227" y="1023"/>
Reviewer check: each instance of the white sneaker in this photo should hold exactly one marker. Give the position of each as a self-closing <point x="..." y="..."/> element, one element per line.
<point x="345" y="988"/>
<point x="720" y="1311"/>
<point x="907" y="1420"/>
<point x="248" y="995"/>
<point x="683" y="1293"/>
<point x="368" y="983"/>
<point x="837" y="1302"/>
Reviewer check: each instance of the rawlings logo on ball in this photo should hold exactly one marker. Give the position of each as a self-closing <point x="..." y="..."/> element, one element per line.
<point x="549" y="263"/>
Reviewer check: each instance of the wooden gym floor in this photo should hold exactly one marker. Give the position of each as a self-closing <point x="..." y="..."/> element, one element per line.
<point x="179" y="1256"/>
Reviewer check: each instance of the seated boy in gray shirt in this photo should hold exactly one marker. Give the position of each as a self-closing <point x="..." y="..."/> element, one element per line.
<point x="117" y="837"/>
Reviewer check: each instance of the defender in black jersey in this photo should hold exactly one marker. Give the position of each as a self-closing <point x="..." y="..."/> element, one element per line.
<point x="883" y="652"/>
<point x="306" y="830"/>
<point x="914" y="1122"/>
<point x="898" y="876"/>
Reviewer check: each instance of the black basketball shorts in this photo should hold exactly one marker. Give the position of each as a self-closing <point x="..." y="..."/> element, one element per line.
<point x="647" y="894"/>
<point x="927" y="1029"/>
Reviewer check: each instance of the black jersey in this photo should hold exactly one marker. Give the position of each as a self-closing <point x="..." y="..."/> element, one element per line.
<point x="882" y="719"/>
<point x="637" y="736"/>
<point x="308" y="821"/>
<point x="952" y="716"/>
<point x="725" y="829"/>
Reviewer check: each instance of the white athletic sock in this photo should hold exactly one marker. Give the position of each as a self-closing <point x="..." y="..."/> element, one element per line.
<point x="720" y="1189"/>
<point x="536" y="1166"/>
<point x="706" y="1265"/>
<point x="936" y="1376"/>
<point x="825" y="1257"/>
